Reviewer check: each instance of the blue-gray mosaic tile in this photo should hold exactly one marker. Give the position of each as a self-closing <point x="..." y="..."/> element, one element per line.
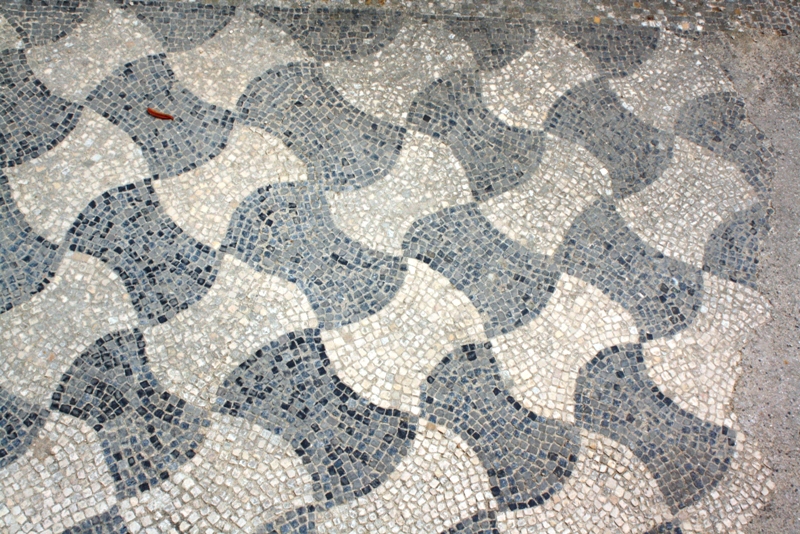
<point x="27" y="261"/>
<point x="32" y="119"/>
<point x="300" y="521"/>
<point x="20" y="422"/>
<point x="109" y="522"/>
<point x="287" y="230"/>
<point x="146" y="432"/>
<point x="494" y="42"/>
<point x="346" y="147"/>
<point x="734" y="247"/>
<point x="718" y="123"/>
<point x="508" y="284"/>
<point x="180" y="26"/>
<point x="615" y="49"/>
<point x="592" y="116"/>
<point x="480" y="523"/>
<point x="670" y="527"/>
<point x="335" y="33"/>
<point x="662" y="294"/>
<point x="527" y="457"/>
<point x="496" y="157"/>
<point x="38" y="22"/>
<point x="348" y="445"/>
<point x="197" y="133"/>
<point x="686" y="455"/>
<point x="163" y="269"/>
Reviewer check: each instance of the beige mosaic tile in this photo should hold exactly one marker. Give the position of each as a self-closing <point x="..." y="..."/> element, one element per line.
<point x="522" y="92"/>
<point x="384" y="84"/>
<point x="8" y="37"/>
<point x="538" y="213"/>
<point x="59" y="482"/>
<point x="544" y="357"/>
<point x="677" y="213"/>
<point x="109" y="38"/>
<point x="53" y="189"/>
<point x="386" y="356"/>
<point x="208" y="71"/>
<point x="244" y="310"/>
<point x="677" y="73"/>
<point x="426" y="178"/>
<point x="40" y="339"/>
<point x="202" y="201"/>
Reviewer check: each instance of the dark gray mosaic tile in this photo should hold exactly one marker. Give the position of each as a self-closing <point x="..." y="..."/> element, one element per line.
<point x="27" y="261"/>
<point x="348" y="148"/>
<point x="337" y="33"/>
<point x="508" y="284"/>
<point x="670" y="527"/>
<point x="197" y="134"/>
<point x="32" y="119"/>
<point x="109" y="522"/>
<point x="287" y="230"/>
<point x="494" y="42"/>
<point x="719" y="123"/>
<point x="163" y="269"/>
<point x="496" y="157"/>
<point x="686" y="455"/>
<point x="38" y="22"/>
<point x="20" y="422"/>
<point x="480" y="523"/>
<point x="592" y="116"/>
<point x="614" y="49"/>
<point x="526" y="456"/>
<point x="662" y="294"/>
<point x="180" y="25"/>
<point x="300" y="521"/>
<point x="734" y="247"/>
<point x="348" y="445"/>
<point x="146" y="432"/>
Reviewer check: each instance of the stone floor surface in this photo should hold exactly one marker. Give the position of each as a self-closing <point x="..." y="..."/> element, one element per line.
<point x="332" y="268"/>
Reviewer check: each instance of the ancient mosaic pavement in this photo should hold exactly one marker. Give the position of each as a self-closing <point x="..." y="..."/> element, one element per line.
<point x="377" y="272"/>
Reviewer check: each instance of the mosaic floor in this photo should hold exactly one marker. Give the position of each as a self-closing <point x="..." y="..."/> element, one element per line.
<point x="358" y="270"/>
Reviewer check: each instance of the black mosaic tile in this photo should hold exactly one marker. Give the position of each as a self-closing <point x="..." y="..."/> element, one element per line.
<point x="686" y="455"/>
<point x="109" y="522"/>
<point x="348" y="445"/>
<point x="718" y="123"/>
<point x="494" y="42"/>
<point x="592" y="116"/>
<point x="20" y="422"/>
<point x="146" y="432"/>
<point x="734" y="247"/>
<point x="508" y="284"/>
<point x="163" y="269"/>
<point x="480" y="523"/>
<point x="526" y="456"/>
<point x="348" y="148"/>
<point x="38" y="22"/>
<point x="27" y="261"/>
<point x="300" y="521"/>
<point x="197" y="134"/>
<point x="496" y="157"/>
<point x="337" y="33"/>
<point x="670" y="527"/>
<point x="287" y="230"/>
<point x="614" y="49"/>
<point x="32" y="119"/>
<point x="180" y="26"/>
<point x="662" y="294"/>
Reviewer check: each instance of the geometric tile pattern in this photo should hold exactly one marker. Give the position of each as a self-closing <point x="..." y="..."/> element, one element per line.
<point x="533" y="265"/>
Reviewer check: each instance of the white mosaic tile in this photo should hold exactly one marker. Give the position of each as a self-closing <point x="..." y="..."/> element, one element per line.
<point x="53" y="189"/>
<point x="244" y="310"/>
<point x="696" y="193"/>
<point x="426" y="178"/>
<point x="202" y="201"/>
<point x="41" y="338"/>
